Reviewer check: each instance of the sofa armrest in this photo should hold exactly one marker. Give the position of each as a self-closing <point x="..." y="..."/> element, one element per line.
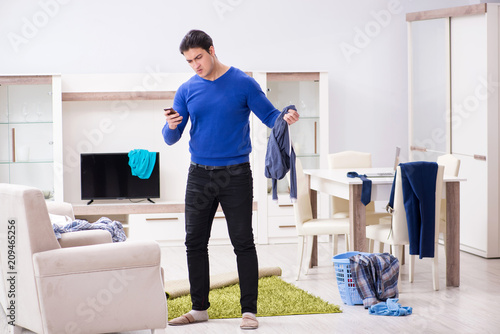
<point x="105" y="288"/>
<point x="85" y="238"/>
<point x="109" y="256"/>
<point x="61" y="208"/>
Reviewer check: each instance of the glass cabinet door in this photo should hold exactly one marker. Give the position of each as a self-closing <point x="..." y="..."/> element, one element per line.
<point x="304" y="94"/>
<point x="26" y="132"/>
<point x="429" y="99"/>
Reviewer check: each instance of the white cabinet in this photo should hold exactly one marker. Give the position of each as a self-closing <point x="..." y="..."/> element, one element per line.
<point x="120" y="112"/>
<point x="308" y="91"/>
<point x="105" y="113"/>
<point x="168" y="228"/>
<point x="454" y="106"/>
<point x="162" y="227"/>
<point x="31" y="133"/>
<point x="281" y="220"/>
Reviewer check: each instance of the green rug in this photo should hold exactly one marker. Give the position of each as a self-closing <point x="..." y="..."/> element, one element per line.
<point x="276" y="297"/>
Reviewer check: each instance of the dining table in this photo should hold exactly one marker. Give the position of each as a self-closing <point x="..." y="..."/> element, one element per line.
<point x="335" y="182"/>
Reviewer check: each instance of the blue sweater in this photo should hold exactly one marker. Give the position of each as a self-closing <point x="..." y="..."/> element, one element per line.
<point x="219" y="111"/>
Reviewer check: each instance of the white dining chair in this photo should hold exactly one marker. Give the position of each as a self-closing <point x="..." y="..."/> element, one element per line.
<point x="395" y="232"/>
<point x="352" y="160"/>
<point x="307" y="226"/>
<point x="340" y="206"/>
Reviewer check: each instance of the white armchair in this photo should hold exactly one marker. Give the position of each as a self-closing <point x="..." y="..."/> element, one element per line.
<point x="100" y="288"/>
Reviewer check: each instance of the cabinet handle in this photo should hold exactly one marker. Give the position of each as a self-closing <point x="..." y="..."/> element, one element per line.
<point x="285" y="205"/>
<point x="480" y="157"/>
<point x="286" y="226"/>
<point x="418" y="148"/>
<point x="13" y="145"/>
<point x="315" y="138"/>
<point x="164" y="218"/>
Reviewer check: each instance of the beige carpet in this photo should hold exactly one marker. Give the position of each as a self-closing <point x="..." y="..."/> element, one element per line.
<point x="179" y="288"/>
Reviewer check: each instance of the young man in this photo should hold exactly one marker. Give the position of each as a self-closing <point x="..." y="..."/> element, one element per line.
<point x="218" y="100"/>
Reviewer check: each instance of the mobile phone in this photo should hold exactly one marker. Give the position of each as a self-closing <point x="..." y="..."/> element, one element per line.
<point x="171" y="111"/>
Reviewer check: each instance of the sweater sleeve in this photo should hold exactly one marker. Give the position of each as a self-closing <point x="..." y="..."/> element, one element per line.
<point x="172" y="136"/>
<point x="260" y="104"/>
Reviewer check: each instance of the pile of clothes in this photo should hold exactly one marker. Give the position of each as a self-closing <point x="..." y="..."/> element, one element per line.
<point x="376" y="279"/>
<point x="104" y="223"/>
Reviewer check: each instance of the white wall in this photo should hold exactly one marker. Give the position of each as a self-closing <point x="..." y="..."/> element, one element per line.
<point x="368" y="80"/>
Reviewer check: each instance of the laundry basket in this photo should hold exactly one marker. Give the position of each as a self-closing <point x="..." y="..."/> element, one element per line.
<point x="347" y="287"/>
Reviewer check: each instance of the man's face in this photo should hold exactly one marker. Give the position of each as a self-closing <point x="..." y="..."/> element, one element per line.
<point x="201" y="61"/>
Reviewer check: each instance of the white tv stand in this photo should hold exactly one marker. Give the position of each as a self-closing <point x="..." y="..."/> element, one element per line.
<point x="159" y="221"/>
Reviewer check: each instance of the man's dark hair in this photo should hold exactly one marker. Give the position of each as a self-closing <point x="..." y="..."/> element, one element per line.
<point x="196" y="39"/>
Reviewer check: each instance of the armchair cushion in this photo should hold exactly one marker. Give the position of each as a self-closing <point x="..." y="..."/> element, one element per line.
<point x="59" y="220"/>
<point x="61" y="209"/>
<point x="61" y="214"/>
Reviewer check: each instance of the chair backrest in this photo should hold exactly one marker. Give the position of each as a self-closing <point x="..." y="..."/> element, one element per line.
<point x="451" y="164"/>
<point x="302" y="207"/>
<point x="348" y="159"/>
<point x="451" y="167"/>
<point x="25" y="224"/>
<point x="399" y="223"/>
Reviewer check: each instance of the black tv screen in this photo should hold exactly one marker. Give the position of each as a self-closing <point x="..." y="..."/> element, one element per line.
<point x="109" y="176"/>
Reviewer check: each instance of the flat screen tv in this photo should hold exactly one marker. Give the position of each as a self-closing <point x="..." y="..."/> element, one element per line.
<point x="109" y="176"/>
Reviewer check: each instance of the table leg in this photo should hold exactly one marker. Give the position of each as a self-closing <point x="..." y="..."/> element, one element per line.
<point x="357" y="219"/>
<point x="452" y="233"/>
<point x="313" y="194"/>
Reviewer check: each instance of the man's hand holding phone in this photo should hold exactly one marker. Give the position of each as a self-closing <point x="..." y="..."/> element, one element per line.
<point x="173" y="118"/>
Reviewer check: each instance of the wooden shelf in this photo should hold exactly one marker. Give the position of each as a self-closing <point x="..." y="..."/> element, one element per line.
<point x="117" y="96"/>
<point x="293" y="76"/>
<point x="446" y="12"/>
<point x="25" y="80"/>
<point x="127" y="208"/>
<point x="131" y="208"/>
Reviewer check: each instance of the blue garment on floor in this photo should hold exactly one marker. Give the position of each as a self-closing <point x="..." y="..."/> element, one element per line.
<point x="142" y="163"/>
<point x="390" y="307"/>
<point x="280" y="156"/>
<point x="104" y="223"/>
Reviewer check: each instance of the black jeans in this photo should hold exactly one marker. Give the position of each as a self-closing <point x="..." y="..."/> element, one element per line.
<point x="232" y="187"/>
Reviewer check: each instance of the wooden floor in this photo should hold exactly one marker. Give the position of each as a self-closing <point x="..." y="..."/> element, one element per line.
<point x="474" y="307"/>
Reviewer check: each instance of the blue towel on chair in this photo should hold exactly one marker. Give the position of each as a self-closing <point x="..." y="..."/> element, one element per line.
<point x="142" y="163"/>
